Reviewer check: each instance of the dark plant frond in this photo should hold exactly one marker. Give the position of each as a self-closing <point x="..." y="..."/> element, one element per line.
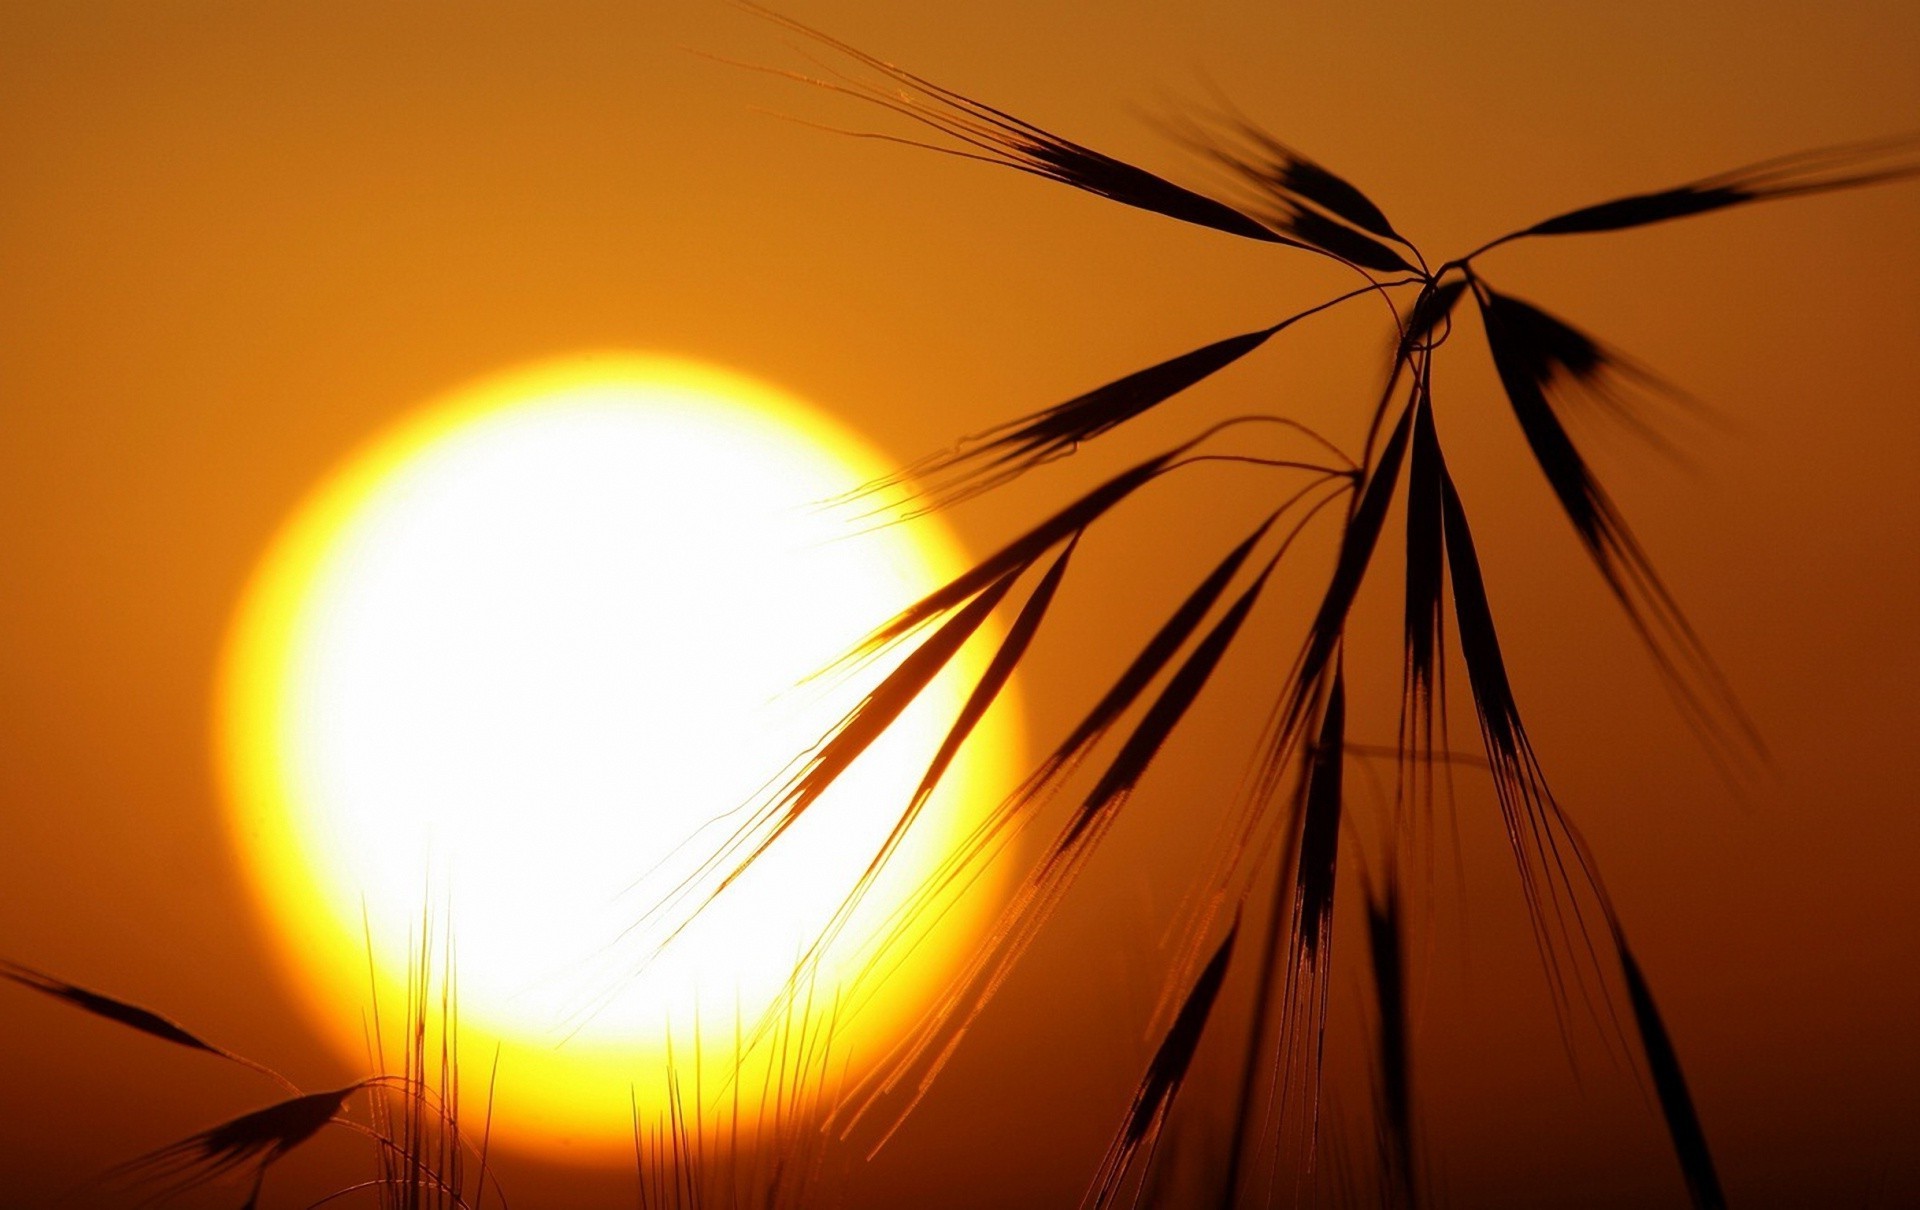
<point x="1152" y="658"/>
<point x="1670" y="1084"/>
<point x="980" y="131"/>
<point x="1425" y="560"/>
<point x="987" y="460"/>
<point x="1130" y="763"/>
<point x="1553" y="862"/>
<point x="1298" y="196"/>
<point x="1166" y="1071"/>
<point x="1421" y="752"/>
<point x="1555" y="354"/>
<point x="1821" y="170"/>
<point x="1337" y="240"/>
<point x="1243" y="1151"/>
<point x="1304" y="178"/>
<point x="984" y="693"/>
<point x="970" y="598"/>
<point x="1543" y="346"/>
<point x="1320" y="826"/>
<point x="1306" y="680"/>
<point x="1016" y="555"/>
<point x="876" y="712"/>
<point x="1357" y="541"/>
<point x="1148" y="664"/>
<point x="921" y="1057"/>
<point x="1289" y="1010"/>
<point x="1122" y="774"/>
<point x="1533" y="353"/>
<point x="131" y="1015"/>
<point x="1532" y="818"/>
<point x="1288" y="1021"/>
<point x="1296" y="176"/>
<point x="258" y="1138"/>
<point x="1387" y="951"/>
<point x="999" y="455"/>
<point x="851" y="736"/>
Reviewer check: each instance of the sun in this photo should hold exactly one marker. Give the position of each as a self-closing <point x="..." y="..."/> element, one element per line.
<point x="510" y="673"/>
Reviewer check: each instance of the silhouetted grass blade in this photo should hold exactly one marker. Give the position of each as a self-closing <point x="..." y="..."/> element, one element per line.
<point x="857" y="730"/>
<point x="1547" y="850"/>
<point x="1069" y="163"/>
<point x="1151" y="658"/>
<point x="1153" y="1100"/>
<point x="1543" y="346"/>
<point x="1350" y="567"/>
<point x="1146" y="665"/>
<point x="1385" y="948"/>
<point x="1526" y="367"/>
<point x="1017" y="554"/>
<point x="1479" y="642"/>
<point x="984" y="693"/>
<point x="1131" y="762"/>
<point x="1319" y="210"/>
<point x="1553" y="353"/>
<point x="1527" y="807"/>
<point x="1320" y="824"/>
<point x="1296" y="1000"/>
<point x="1641" y="209"/>
<point x="933" y="1042"/>
<point x="1059" y="430"/>
<point x="1670" y="1084"/>
<point x="1425" y="554"/>
<point x="877" y="710"/>
<point x="983" y="132"/>
<point x="1332" y="193"/>
<point x="1285" y="176"/>
<point x="998" y="672"/>
<point x="1818" y="171"/>
<point x="131" y="1015"/>
<point x="1337" y="239"/>
<point x="260" y="1137"/>
<point x="1064" y="855"/>
<point x="1531" y="351"/>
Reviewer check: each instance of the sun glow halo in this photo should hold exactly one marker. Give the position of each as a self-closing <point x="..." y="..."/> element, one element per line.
<point x="514" y="665"/>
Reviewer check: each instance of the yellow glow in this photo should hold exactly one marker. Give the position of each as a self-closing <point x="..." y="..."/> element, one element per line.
<point x="512" y="656"/>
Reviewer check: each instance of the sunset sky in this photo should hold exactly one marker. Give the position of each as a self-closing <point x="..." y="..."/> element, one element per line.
<point x="238" y="240"/>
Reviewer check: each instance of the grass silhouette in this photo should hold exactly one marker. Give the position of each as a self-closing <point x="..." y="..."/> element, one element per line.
<point x="1291" y="818"/>
<point x="1288" y="832"/>
<point x="409" y="1108"/>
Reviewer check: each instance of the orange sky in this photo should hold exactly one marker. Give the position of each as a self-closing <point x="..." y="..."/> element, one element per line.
<point x="237" y="239"/>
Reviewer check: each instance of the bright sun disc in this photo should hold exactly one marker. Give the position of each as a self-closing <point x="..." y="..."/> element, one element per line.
<point x="518" y="663"/>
